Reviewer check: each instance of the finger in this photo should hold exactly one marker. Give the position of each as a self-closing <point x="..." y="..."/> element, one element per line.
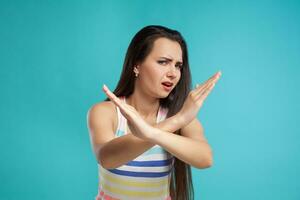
<point x="201" y="90"/>
<point x="122" y="106"/>
<point x="200" y="93"/>
<point x="214" y="78"/>
<point x="204" y="95"/>
<point x="112" y="96"/>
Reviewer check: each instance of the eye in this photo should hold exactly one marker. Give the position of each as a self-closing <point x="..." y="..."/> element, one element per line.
<point x="162" y="62"/>
<point x="179" y="66"/>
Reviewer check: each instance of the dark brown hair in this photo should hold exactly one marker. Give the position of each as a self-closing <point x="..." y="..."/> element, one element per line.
<point x="181" y="187"/>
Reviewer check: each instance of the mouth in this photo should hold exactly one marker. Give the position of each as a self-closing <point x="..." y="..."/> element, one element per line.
<point x="167" y="85"/>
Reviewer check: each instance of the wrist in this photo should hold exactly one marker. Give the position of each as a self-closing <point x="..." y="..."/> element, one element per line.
<point x="152" y="138"/>
<point x="179" y="120"/>
<point x="145" y="141"/>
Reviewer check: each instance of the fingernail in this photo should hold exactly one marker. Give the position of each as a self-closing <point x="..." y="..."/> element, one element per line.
<point x="104" y="87"/>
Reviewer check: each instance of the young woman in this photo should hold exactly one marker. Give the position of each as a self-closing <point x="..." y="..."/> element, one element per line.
<point x="146" y="134"/>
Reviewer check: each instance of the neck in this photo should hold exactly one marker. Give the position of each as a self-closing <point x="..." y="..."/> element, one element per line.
<point x="146" y="106"/>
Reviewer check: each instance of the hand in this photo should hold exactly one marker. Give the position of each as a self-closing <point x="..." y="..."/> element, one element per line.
<point x="196" y="98"/>
<point x="139" y="127"/>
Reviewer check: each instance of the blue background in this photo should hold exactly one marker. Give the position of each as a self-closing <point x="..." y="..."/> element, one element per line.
<point x="55" y="56"/>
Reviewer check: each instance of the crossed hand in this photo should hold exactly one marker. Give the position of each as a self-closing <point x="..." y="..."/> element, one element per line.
<point x="194" y="101"/>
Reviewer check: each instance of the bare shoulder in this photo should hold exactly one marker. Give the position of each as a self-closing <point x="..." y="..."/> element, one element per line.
<point x="105" y="108"/>
<point x="101" y="121"/>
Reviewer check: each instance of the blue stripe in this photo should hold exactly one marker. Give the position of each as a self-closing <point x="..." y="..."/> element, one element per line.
<point x="139" y="174"/>
<point x="153" y="163"/>
<point x="154" y="150"/>
<point x="120" y="132"/>
<point x="151" y="151"/>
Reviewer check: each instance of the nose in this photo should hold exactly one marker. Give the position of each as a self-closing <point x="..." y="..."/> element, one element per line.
<point x="172" y="71"/>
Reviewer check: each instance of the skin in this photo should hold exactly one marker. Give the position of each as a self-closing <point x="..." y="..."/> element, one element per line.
<point x="141" y="109"/>
<point x="154" y="70"/>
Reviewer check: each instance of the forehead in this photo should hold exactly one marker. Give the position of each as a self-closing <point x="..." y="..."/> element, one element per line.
<point x="168" y="48"/>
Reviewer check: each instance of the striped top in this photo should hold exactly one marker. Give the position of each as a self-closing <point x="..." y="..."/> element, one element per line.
<point x="146" y="177"/>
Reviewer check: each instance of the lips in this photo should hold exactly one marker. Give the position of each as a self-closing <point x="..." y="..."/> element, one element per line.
<point x="168" y="84"/>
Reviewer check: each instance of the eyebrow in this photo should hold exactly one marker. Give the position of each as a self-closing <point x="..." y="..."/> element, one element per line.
<point x="170" y="59"/>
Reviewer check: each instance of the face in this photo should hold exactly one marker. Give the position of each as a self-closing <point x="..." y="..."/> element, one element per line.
<point x="160" y="72"/>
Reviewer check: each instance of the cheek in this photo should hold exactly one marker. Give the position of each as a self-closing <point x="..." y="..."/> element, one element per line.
<point x="178" y="76"/>
<point x="155" y="73"/>
<point x="151" y="76"/>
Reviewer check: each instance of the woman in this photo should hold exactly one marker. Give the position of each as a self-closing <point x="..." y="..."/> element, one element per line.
<point x="146" y="134"/>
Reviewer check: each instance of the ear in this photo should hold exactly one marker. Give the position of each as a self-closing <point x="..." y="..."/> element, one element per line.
<point x="136" y="69"/>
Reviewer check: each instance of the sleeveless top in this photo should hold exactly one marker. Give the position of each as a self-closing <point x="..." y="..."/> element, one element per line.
<point x="146" y="177"/>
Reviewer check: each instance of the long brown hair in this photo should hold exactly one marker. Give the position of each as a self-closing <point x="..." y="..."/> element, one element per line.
<point x="181" y="187"/>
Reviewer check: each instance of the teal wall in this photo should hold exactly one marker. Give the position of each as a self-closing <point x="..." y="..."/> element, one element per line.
<point x="55" y="56"/>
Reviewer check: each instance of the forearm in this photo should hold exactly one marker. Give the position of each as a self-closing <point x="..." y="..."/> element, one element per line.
<point x="195" y="153"/>
<point x="125" y="148"/>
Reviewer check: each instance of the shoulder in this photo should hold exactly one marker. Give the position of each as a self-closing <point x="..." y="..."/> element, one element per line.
<point x="104" y="106"/>
<point x="101" y="119"/>
<point x="102" y="112"/>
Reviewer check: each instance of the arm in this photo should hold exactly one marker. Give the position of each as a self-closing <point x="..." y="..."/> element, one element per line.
<point x="127" y="147"/>
<point x="175" y="144"/>
<point x="191" y="146"/>
<point x="113" y="152"/>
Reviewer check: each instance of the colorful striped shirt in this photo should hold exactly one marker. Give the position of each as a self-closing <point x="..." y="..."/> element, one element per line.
<point x="146" y="177"/>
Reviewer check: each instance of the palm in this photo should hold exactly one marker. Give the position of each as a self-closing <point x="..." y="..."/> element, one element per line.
<point x="136" y="123"/>
<point x="196" y="97"/>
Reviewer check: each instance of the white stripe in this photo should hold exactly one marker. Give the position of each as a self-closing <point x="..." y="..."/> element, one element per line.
<point x="153" y="157"/>
<point x="145" y="169"/>
<point x="140" y="179"/>
<point x="133" y="188"/>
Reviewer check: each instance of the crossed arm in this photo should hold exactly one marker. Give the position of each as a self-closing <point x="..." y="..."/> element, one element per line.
<point x="191" y="146"/>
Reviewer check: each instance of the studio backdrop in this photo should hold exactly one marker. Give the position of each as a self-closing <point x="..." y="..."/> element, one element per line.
<point x="56" y="55"/>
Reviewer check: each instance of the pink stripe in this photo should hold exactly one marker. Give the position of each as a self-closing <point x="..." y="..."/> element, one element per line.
<point x="102" y="196"/>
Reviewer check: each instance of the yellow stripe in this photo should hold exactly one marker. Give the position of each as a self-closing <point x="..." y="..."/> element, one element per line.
<point x="119" y="191"/>
<point x="132" y="183"/>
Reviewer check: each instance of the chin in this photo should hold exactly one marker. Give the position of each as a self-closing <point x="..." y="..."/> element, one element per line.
<point x="164" y="95"/>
